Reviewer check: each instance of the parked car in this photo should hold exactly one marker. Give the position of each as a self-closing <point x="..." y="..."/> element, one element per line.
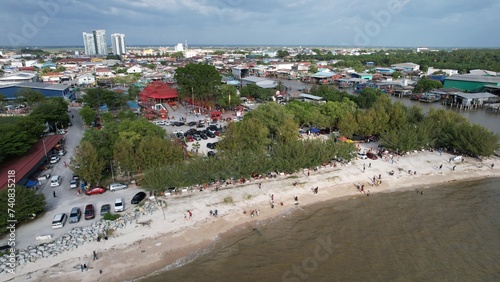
<point x="200" y="125"/>
<point x="59" y="220"/>
<point x="54" y="159"/>
<point x="192" y="123"/>
<point x="371" y="155"/>
<point x="138" y="198"/>
<point x="211" y="146"/>
<point x="96" y="190"/>
<point x="119" y="205"/>
<point x="74" y="183"/>
<point x="117" y="186"/>
<point x="74" y="215"/>
<point x="76" y="177"/>
<point x="203" y="136"/>
<point x="210" y="134"/>
<point x="105" y="209"/>
<point x="211" y="154"/>
<point x="89" y="212"/>
<point x="362" y="156"/>
<point x="61" y="152"/>
<point x="197" y="137"/>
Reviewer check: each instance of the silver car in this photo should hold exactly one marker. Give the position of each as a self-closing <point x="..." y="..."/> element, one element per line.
<point x="117" y="186"/>
<point x="74" y="215"/>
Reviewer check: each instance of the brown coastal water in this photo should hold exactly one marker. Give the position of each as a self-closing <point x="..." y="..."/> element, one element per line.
<point x="448" y="233"/>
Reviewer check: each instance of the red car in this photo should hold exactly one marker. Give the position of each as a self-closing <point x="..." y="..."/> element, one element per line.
<point x="371" y="155"/>
<point x="96" y="190"/>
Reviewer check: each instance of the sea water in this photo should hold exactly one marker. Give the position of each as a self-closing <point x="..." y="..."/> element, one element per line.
<point x="447" y="233"/>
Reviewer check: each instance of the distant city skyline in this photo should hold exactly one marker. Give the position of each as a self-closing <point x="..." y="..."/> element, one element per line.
<point x="361" y="23"/>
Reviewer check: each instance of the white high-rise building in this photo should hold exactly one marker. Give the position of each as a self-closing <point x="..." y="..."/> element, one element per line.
<point x="95" y="42"/>
<point x="179" y="48"/>
<point x="118" y="43"/>
<point x="89" y="43"/>
<point x="101" y="46"/>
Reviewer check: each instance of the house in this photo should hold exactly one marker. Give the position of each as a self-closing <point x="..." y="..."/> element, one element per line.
<point x="104" y="72"/>
<point x="85" y="79"/>
<point x="472" y="82"/>
<point x="52" y="77"/>
<point x="406" y="67"/>
<point x="134" y="69"/>
<point x="447" y="72"/>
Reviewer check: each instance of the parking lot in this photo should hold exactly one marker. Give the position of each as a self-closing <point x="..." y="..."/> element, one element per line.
<point x="62" y="198"/>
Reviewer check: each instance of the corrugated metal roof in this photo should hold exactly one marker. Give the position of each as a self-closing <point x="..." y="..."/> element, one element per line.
<point x="474" y="78"/>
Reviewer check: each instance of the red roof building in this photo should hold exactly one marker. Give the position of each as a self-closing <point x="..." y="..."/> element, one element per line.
<point x="158" y="91"/>
<point x="25" y="165"/>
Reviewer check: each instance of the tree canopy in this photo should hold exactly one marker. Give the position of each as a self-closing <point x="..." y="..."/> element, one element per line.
<point x="198" y="81"/>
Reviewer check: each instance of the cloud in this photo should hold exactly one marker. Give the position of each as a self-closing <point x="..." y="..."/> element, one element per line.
<point x="279" y="22"/>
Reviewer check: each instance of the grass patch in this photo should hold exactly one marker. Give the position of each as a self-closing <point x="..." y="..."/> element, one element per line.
<point x="247" y="196"/>
<point x="110" y="216"/>
<point x="228" y="200"/>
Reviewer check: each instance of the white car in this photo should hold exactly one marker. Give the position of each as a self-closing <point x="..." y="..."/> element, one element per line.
<point x="362" y="156"/>
<point x="74" y="183"/>
<point x="117" y="186"/>
<point x="54" y="159"/>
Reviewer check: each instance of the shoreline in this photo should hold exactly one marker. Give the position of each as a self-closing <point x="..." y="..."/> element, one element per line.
<point x="132" y="255"/>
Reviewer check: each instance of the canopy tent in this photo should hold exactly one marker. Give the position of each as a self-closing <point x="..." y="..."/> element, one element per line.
<point x="315" y="130"/>
<point x="32" y="183"/>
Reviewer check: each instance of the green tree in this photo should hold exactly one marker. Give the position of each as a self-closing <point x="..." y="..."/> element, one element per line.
<point x="282" y="54"/>
<point x="97" y="97"/>
<point x="229" y="96"/>
<point x="87" y="163"/>
<point x="396" y="75"/>
<point x="124" y="155"/>
<point x="424" y="85"/>
<point x="54" y="111"/>
<point x="200" y="81"/>
<point x="133" y="92"/>
<point x="88" y="114"/>
<point x="27" y="204"/>
<point x="13" y="142"/>
<point x="29" y="96"/>
<point x="156" y="152"/>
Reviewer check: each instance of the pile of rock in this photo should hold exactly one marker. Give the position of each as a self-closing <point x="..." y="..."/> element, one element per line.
<point x="78" y="236"/>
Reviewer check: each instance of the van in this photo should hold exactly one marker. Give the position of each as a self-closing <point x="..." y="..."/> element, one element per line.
<point x="55" y="181"/>
<point x="59" y="220"/>
<point x="119" y="206"/>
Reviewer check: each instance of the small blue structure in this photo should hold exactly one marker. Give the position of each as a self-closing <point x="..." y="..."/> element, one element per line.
<point x="134" y="107"/>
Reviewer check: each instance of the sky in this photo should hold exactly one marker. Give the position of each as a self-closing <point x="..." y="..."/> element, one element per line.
<point x="353" y="23"/>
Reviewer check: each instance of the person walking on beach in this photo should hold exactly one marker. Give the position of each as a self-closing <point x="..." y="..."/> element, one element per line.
<point x="272" y="197"/>
<point x="369" y="165"/>
<point x="440" y="167"/>
<point x="454" y="167"/>
<point x="190" y="213"/>
<point x="54" y="193"/>
<point x="364" y="167"/>
<point x="94" y="255"/>
<point x="81" y="267"/>
<point x="492" y="165"/>
<point x="260" y="185"/>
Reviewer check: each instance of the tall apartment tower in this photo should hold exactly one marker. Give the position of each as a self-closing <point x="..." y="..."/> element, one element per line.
<point x="118" y="43"/>
<point x="89" y="44"/>
<point x="95" y="42"/>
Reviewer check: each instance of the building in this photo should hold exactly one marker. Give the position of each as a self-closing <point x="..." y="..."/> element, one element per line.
<point x="406" y="67"/>
<point x="471" y="82"/>
<point x="259" y="81"/>
<point x="85" y="79"/>
<point x="18" y="77"/>
<point x="28" y="165"/>
<point x="118" y="43"/>
<point x="179" y="48"/>
<point x="47" y="89"/>
<point x="157" y="91"/>
<point x="134" y="69"/>
<point x="89" y="44"/>
<point x="95" y="43"/>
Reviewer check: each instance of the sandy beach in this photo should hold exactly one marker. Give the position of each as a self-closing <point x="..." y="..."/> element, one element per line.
<point x="174" y="237"/>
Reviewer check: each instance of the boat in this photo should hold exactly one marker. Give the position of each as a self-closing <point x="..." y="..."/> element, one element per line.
<point x="430" y="97"/>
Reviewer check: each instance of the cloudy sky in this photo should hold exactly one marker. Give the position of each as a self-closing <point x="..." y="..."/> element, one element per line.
<point x="362" y="23"/>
